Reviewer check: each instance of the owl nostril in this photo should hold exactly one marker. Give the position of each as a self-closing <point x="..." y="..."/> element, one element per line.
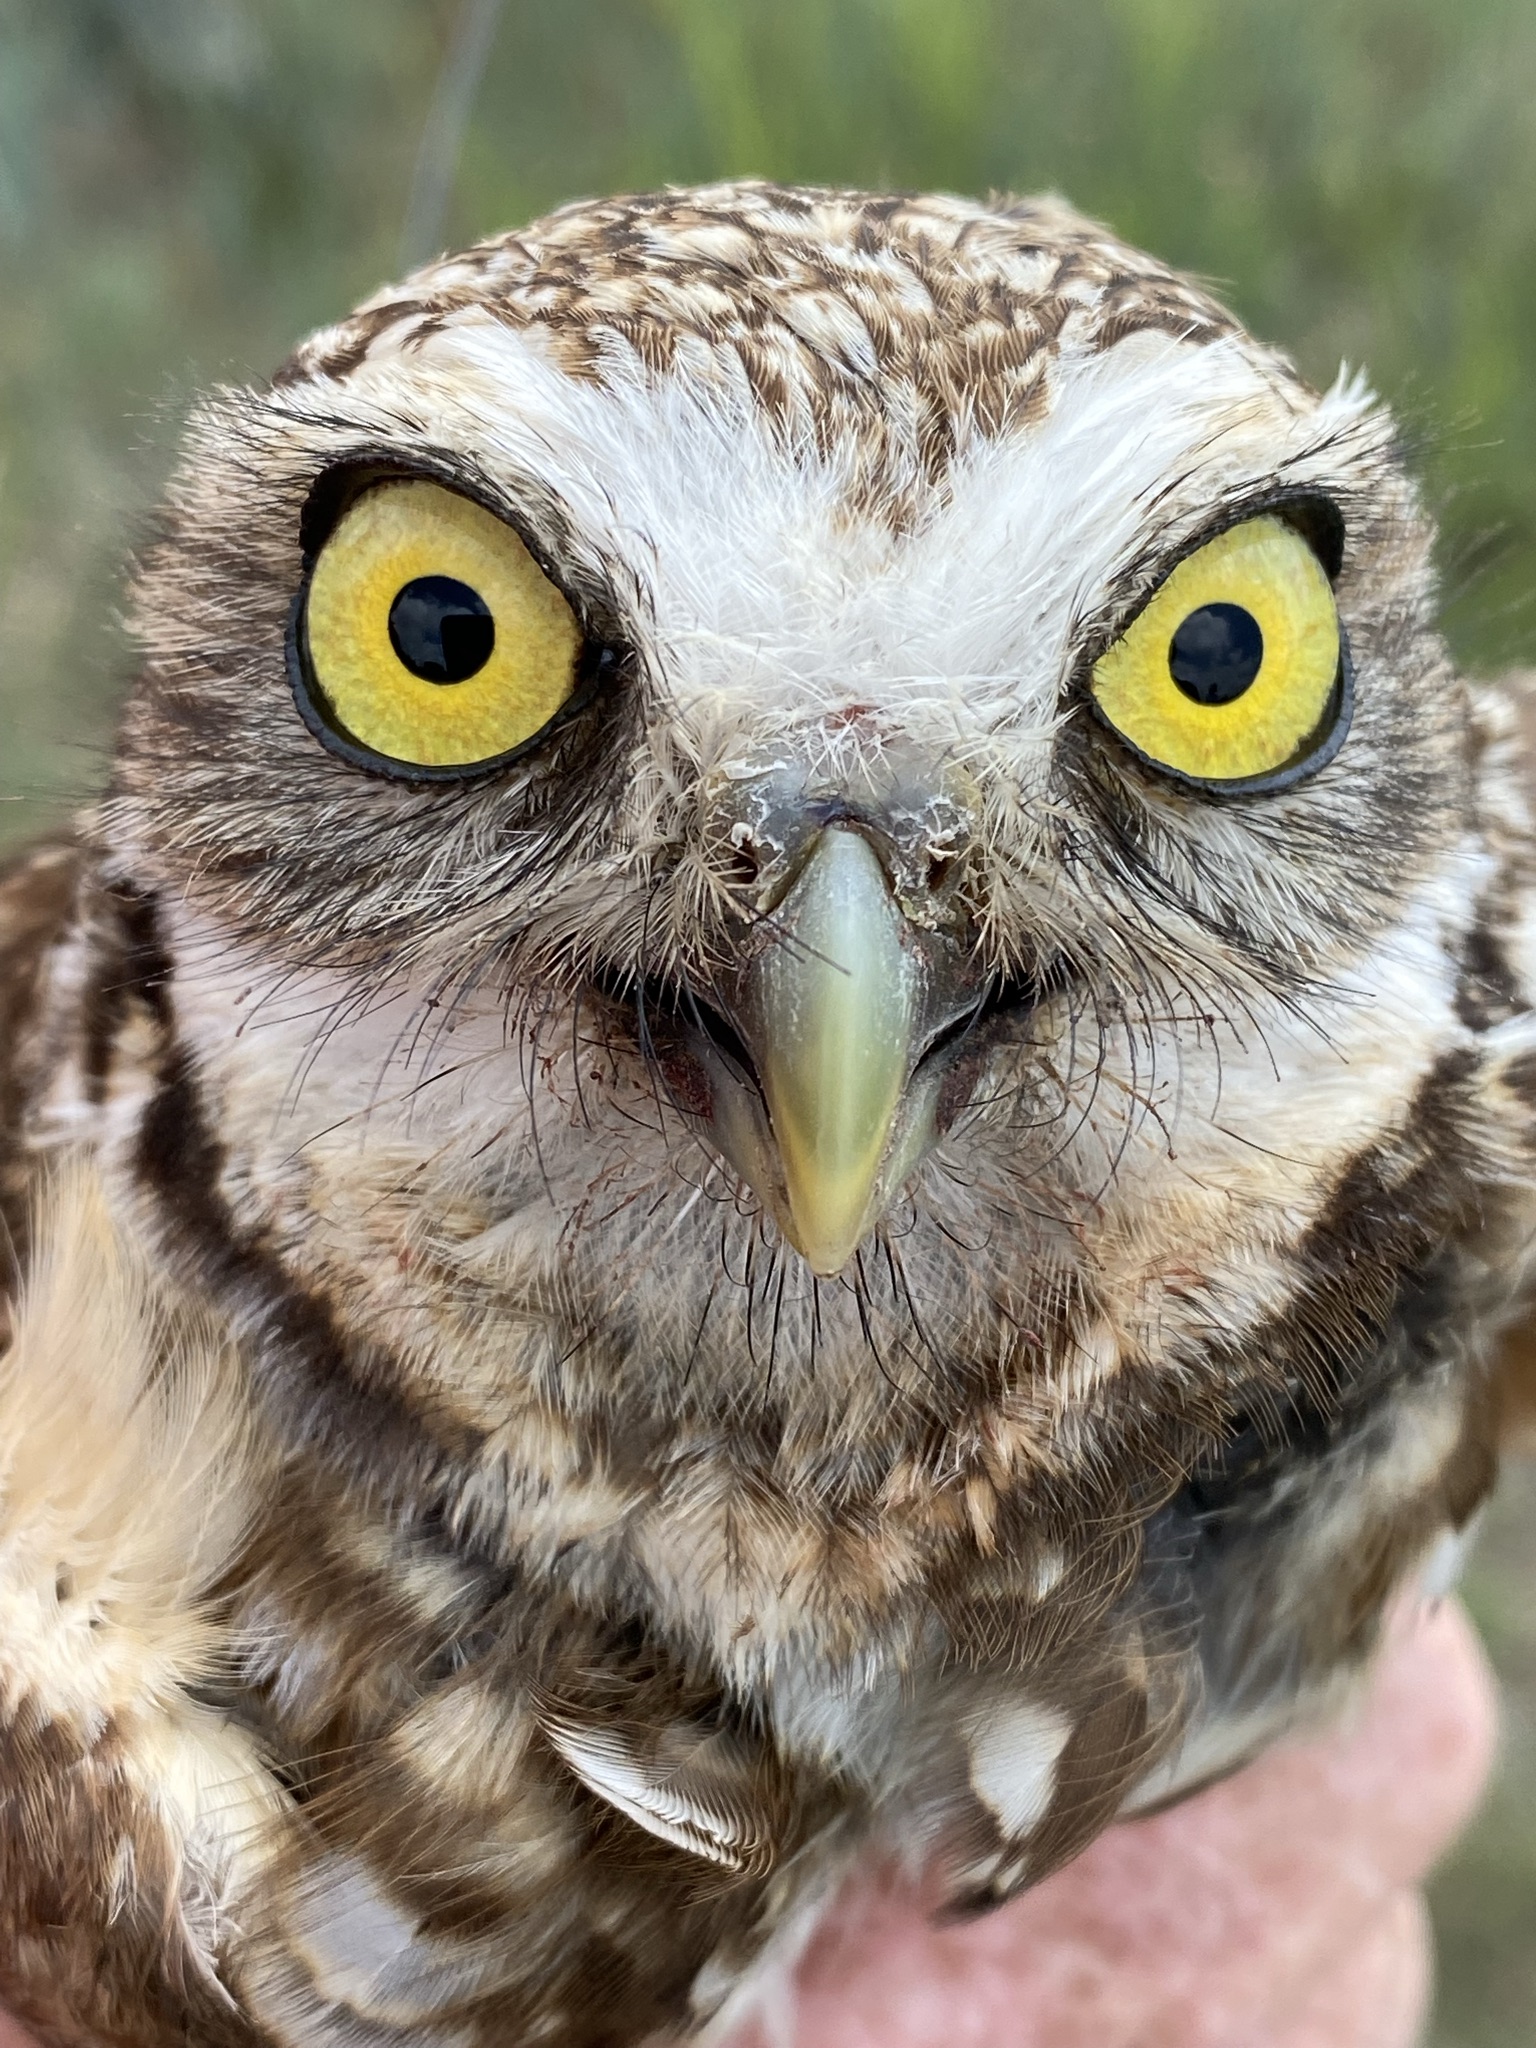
<point x="743" y="857"/>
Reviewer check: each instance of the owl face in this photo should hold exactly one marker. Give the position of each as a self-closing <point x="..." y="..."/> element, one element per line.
<point x="868" y="775"/>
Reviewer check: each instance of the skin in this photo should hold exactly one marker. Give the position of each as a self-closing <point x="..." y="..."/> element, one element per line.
<point x="1280" y="1909"/>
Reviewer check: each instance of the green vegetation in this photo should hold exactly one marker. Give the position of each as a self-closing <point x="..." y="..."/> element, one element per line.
<point x="187" y="185"/>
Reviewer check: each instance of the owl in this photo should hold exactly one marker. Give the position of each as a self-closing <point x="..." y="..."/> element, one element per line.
<point x="783" y="1114"/>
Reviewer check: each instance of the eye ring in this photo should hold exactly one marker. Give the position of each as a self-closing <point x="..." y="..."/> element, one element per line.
<point x="598" y="664"/>
<point x="433" y="540"/>
<point x="1333" y="729"/>
<point x="1194" y="687"/>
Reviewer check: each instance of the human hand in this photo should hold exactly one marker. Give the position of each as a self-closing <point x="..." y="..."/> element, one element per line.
<point x="1279" y="1909"/>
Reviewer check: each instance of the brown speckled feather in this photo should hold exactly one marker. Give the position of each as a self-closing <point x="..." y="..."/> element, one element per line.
<point x="464" y="1577"/>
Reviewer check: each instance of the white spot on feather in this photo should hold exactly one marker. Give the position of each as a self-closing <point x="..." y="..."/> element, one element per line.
<point x="656" y="1800"/>
<point x="350" y="1930"/>
<point x="1014" y="1752"/>
<point x="1447" y="1560"/>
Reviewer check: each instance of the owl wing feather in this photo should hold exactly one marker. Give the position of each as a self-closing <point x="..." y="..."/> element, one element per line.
<point x="134" y="1813"/>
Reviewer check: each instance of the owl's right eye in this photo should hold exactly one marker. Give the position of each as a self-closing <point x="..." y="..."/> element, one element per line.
<point x="429" y="638"/>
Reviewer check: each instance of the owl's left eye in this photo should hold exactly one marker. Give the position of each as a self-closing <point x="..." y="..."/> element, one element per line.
<point x="1231" y="674"/>
<point x="430" y="641"/>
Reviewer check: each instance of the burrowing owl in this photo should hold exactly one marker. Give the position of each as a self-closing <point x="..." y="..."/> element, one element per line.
<point x="783" y="1112"/>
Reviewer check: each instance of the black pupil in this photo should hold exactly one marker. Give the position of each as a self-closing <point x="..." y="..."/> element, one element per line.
<point x="1216" y="653"/>
<point x="441" y="629"/>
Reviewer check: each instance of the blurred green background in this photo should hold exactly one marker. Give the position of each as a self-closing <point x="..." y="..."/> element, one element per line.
<point x="187" y="185"/>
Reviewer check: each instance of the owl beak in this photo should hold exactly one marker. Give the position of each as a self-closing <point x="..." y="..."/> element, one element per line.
<point x="830" y="1010"/>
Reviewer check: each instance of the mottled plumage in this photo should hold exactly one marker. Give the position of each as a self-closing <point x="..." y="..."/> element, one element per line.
<point x="464" y="1576"/>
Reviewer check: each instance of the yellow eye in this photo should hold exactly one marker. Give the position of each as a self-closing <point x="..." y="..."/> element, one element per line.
<point x="1231" y="672"/>
<point x="433" y="639"/>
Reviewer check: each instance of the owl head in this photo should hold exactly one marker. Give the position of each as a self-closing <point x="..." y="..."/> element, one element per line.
<point x="876" y="757"/>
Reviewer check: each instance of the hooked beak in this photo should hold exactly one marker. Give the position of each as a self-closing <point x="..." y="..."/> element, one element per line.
<point x="831" y="1010"/>
<point x="835" y="1012"/>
